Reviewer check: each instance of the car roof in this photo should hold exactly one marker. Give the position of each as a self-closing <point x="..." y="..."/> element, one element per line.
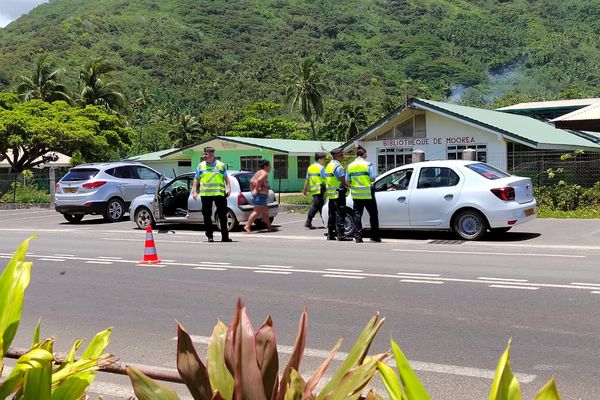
<point x="104" y="165"/>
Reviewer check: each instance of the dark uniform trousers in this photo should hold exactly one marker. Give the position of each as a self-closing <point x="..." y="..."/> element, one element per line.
<point x="358" y="209"/>
<point x="316" y="206"/>
<point x="207" y="205"/>
<point x="337" y="215"/>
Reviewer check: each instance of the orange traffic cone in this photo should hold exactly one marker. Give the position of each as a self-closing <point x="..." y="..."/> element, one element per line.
<point x="150" y="254"/>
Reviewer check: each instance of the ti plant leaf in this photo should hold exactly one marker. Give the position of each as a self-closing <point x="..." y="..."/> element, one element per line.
<point x="220" y="378"/>
<point x="355" y="380"/>
<point x="191" y="369"/>
<point x="548" y="392"/>
<point x="268" y="362"/>
<point x="296" y="386"/>
<point x="296" y="357"/>
<point x="36" y="333"/>
<point x="505" y="385"/>
<point x="413" y="388"/>
<point x="391" y="382"/>
<point x="146" y="389"/>
<point x="313" y="381"/>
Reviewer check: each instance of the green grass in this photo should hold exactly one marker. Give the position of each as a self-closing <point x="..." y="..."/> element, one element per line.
<point x="585" y="213"/>
<point x="296" y="199"/>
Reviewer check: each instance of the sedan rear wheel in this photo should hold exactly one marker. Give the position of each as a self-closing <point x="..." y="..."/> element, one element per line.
<point x="232" y="222"/>
<point x="143" y="217"/>
<point x="349" y="223"/>
<point x="470" y="225"/>
<point x="115" y="209"/>
<point x="73" y="218"/>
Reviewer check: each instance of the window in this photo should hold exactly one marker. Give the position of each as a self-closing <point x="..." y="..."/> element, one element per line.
<point x="487" y="171"/>
<point x="147" y="173"/>
<point x="280" y="165"/>
<point x="81" y="174"/>
<point x="413" y="127"/>
<point x="244" y="180"/>
<point x="434" y="177"/>
<point x="303" y="164"/>
<point x="392" y="157"/>
<point x="398" y="180"/>
<point x="250" y="163"/>
<point x="123" y="173"/>
<point x="184" y="163"/>
<point x="455" y="152"/>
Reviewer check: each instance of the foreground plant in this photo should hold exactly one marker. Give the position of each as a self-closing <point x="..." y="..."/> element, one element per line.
<point x="407" y="385"/>
<point x="244" y="364"/>
<point x="35" y="375"/>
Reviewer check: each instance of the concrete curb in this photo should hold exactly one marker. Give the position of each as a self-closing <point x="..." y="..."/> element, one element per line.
<point x="293" y="207"/>
<point x="19" y="206"/>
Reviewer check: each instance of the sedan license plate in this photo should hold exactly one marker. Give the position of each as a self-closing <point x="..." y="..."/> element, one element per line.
<point x="70" y="190"/>
<point x="529" y="212"/>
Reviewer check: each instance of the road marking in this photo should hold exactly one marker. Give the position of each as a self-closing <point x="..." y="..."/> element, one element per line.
<point x="343" y="276"/>
<point x="211" y="268"/>
<point x="416" y="365"/>
<point x="343" y="270"/>
<point x="482" y="253"/>
<point x="151" y="265"/>
<point x="264" y="271"/>
<point x="503" y="279"/>
<point x="275" y="266"/>
<point x="585" y="284"/>
<point x="514" y="287"/>
<point x="416" y="274"/>
<point x="7" y="257"/>
<point x="99" y="262"/>
<point x="66" y="255"/>
<point x="108" y="257"/>
<point x="595" y="292"/>
<point x="214" y="263"/>
<point x="418" y="281"/>
<point x="51" y="259"/>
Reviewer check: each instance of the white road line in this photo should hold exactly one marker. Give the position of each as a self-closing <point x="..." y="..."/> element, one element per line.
<point x="109" y="258"/>
<point x="482" y="253"/>
<point x="263" y="271"/>
<point x="416" y="274"/>
<point x="7" y="257"/>
<point x="595" y="292"/>
<point x="65" y="255"/>
<point x="99" y="262"/>
<point x="51" y="259"/>
<point x="275" y="266"/>
<point x="502" y="279"/>
<point x="585" y="284"/>
<point x="418" y="281"/>
<point x="151" y="265"/>
<point x="213" y="263"/>
<point x="514" y="287"/>
<point x="343" y="270"/>
<point x="417" y="365"/>
<point x="343" y="276"/>
<point x="211" y="268"/>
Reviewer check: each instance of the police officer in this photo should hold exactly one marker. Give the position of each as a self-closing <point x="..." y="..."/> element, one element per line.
<point x="314" y="185"/>
<point x="211" y="174"/>
<point x="360" y="175"/>
<point x="335" y="185"/>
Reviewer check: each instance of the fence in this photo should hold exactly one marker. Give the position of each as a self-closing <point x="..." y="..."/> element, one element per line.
<point x="25" y="188"/>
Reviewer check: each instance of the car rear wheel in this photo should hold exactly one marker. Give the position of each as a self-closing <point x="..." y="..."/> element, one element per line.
<point x="73" y="218"/>
<point x="349" y="223"/>
<point x="232" y="222"/>
<point x="143" y="217"/>
<point x="115" y="209"/>
<point x="469" y="225"/>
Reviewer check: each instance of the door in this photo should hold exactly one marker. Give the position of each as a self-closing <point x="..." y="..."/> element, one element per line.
<point x="392" y="193"/>
<point x="128" y="184"/>
<point x="434" y="196"/>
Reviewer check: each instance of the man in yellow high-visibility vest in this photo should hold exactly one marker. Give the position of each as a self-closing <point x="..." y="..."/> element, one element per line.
<point x="335" y="188"/>
<point x="211" y="175"/>
<point x="360" y="176"/>
<point x="314" y="185"/>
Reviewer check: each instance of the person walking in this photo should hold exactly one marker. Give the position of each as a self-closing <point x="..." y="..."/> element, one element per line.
<point x="361" y="175"/>
<point x="314" y="185"/>
<point x="260" y="194"/>
<point x="335" y="185"/>
<point x="213" y="181"/>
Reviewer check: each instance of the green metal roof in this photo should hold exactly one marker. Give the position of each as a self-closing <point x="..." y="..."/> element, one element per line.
<point x="156" y="156"/>
<point x="511" y="126"/>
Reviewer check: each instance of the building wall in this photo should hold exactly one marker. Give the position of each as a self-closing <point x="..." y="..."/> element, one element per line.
<point x="167" y="168"/>
<point x="441" y="132"/>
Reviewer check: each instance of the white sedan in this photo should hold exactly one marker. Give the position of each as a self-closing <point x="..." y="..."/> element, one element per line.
<point x="467" y="197"/>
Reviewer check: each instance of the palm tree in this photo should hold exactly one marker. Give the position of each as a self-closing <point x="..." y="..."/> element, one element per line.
<point x="98" y="87"/>
<point x="43" y="84"/>
<point x="306" y="91"/>
<point x="187" y="131"/>
<point x="351" y="121"/>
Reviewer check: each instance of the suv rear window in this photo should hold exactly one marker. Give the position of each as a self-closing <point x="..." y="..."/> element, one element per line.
<point x="244" y="180"/>
<point x="487" y="171"/>
<point x="80" y="174"/>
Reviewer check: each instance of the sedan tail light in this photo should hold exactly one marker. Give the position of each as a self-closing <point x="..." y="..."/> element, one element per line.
<point x="506" y="193"/>
<point x="241" y="199"/>
<point x="93" y="185"/>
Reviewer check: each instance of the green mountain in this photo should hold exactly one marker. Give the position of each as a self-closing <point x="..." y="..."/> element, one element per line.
<point x="217" y="56"/>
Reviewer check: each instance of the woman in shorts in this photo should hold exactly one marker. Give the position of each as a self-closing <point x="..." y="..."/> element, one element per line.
<point x="260" y="192"/>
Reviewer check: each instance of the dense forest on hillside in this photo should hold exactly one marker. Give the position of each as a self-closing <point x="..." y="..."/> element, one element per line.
<point x="215" y="58"/>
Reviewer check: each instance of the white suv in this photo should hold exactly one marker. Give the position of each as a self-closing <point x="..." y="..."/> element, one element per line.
<point x="102" y="189"/>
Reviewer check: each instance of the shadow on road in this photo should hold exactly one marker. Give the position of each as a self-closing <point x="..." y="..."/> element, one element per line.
<point x="448" y="238"/>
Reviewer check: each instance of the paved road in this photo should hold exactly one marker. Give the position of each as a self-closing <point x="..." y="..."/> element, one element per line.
<point x="451" y="305"/>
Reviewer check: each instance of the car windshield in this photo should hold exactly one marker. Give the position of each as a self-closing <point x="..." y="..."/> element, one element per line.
<point x="487" y="171"/>
<point x="80" y="174"/>
<point x="244" y="180"/>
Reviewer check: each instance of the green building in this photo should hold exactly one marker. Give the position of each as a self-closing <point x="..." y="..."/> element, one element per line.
<point x="289" y="158"/>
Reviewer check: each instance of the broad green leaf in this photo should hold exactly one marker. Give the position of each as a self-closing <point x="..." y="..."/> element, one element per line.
<point x="146" y="389"/>
<point x="36" y="358"/>
<point x="505" y="385"/>
<point x="13" y="282"/>
<point x="268" y="362"/>
<point x="296" y="357"/>
<point x="81" y="365"/>
<point x="355" y="380"/>
<point x="37" y="382"/>
<point x="36" y="333"/>
<point x="412" y="385"/>
<point x="548" y="392"/>
<point x="220" y="378"/>
<point x="70" y="358"/>
<point x="97" y="345"/>
<point x="73" y="387"/>
<point x="296" y="386"/>
<point x="191" y="369"/>
<point x="391" y="382"/>
<point x="356" y="354"/>
<point x="313" y="381"/>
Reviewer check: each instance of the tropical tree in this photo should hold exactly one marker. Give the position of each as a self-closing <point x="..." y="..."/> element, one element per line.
<point x="98" y="87"/>
<point x="186" y="131"/>
<point x="43" y="83"/>
<point x="351" y="121"/>
<point x="305" y="92"/>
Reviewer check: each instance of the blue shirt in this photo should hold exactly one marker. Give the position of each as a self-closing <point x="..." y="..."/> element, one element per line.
<point x="372" y="173"/>
<point x="213" y="164"/>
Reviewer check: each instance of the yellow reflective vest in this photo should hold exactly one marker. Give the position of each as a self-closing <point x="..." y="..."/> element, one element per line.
<point x="315" y="181"/>
<point x="332" y="183"/>
<point x="360" y="181"/>
<point x="211" y="179"/>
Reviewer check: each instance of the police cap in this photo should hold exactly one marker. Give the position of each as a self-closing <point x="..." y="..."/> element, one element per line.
<point x="209" y="150"/>
<point x="319" y="155"/>
<point x="336" y="151"/>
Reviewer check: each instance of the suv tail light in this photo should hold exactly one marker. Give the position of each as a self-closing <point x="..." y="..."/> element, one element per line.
<point x="93" y="185"/>
<point x="242" y="200"/>
<point x="57" y="186"/>
<point x="506" y="193"/>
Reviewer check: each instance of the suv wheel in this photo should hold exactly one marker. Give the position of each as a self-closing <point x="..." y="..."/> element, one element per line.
<point x="73" y="218"/>
<point x="115" y="209"/>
